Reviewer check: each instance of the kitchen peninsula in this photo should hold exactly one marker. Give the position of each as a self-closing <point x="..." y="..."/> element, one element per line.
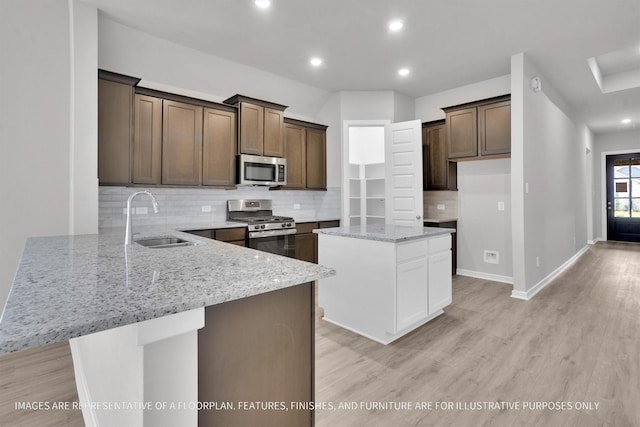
<point x="389" y="279"/>
<point x="137" y="318"/>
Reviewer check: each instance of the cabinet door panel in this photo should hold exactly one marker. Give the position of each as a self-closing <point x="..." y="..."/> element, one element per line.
<point x="307" y="247"/>
<point x="258" y="349"/>
<point x="439" y="281"/>
<point x="147" y="140"/>
<point x="494" y="128"/>
<point x="181" y="143"/>
<point x="273" y="129"/>
<point x="218" y="147"/>
<point x="438" y="163"/>
<point x="251" y="129"/>
<point x="316" y="159"/>
<point x="411" y="292"/>
<point x="462" y="133"/>
<point x="295" y="150"/>
<point x="114" y="132"/>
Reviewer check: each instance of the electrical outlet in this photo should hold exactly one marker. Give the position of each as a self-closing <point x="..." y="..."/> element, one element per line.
<point x="492" y="257"/>
<point x="500" y="206"/>
<point x="206" y="208"/>
<point x="537" y="261"/>
<point x="143" y="210"/>
<point x="440" y="207"/>
<point x="296" y="206"/>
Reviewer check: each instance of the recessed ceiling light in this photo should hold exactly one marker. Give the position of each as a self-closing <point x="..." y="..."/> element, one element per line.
<point x="403" y="72"/>
<point x="263" y="4"/>
<point x="396" y="25"/>
<point x="316" y="62"/>
<point x="626" y="121"/>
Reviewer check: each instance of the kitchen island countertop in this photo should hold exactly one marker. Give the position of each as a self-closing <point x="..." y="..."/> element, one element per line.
<point x="385" y="232"/>
<point x="70" y="286"/>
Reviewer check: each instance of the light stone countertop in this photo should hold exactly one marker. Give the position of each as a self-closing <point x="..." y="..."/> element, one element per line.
<point x="69" y="286"/>
<point x="385" y="232"/>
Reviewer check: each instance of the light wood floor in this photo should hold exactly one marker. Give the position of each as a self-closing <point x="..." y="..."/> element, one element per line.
<point x="577" y="340"/>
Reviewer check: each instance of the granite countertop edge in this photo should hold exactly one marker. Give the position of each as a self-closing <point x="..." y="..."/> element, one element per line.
<point x="386" y="233"/>
<point x="70" y="286"/>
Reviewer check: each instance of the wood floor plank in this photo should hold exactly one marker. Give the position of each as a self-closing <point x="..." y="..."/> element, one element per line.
<point x="578" y="340"/>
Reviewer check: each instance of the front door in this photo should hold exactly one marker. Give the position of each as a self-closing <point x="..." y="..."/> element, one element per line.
<point x="403" y="161"/>
<point x="623" y="197"/>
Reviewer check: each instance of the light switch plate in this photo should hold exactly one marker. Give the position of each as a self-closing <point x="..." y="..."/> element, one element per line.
<point x="500" y="206"/>
<point x="296" y="206"/>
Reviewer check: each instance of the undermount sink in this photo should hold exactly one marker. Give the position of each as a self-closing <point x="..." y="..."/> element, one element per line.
<point x="164" y="242"/>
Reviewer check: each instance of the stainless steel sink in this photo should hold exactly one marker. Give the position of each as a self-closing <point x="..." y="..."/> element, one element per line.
<point x="164" y="242"/>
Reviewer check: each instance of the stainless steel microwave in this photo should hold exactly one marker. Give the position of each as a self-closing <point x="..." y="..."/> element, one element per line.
<point x="261" y="170"/>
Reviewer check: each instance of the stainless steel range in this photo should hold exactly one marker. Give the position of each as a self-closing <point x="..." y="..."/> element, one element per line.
<point x="267" y="232"/>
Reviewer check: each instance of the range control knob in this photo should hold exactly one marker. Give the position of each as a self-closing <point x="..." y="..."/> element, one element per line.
<point x="262" y="226"/>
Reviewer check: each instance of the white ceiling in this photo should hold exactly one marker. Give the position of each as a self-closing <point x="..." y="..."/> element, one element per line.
<point x="446" y="44"/>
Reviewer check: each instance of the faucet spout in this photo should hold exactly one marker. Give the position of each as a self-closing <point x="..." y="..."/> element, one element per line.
<point x="128" y="239"/>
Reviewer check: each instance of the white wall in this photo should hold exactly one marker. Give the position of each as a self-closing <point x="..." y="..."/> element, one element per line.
<point x="195" y="73"/>
<point x="84" y="120"/>
<point x="40" y="188"/>
<point x="472" y="240"/>
<point x="429" y="108"/>
<point x="482" y="185"/>
<point x="549" y="157"/>
<point x="611" y="143"/>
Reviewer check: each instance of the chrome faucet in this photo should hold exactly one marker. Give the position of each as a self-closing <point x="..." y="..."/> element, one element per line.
<point x="128" y="239"/>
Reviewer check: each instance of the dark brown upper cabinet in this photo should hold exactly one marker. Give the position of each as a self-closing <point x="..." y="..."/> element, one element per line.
<point x="181" y="143"/>
<point x="115" y="120"/>
<point x="306" y="153"/>
<point x="219" y="147"/>
<point x="438" y="172"/>
<point x="260" y="126"/>
<point x="494" y="128"/>
<point x="147" y="140"/>
<point x="317" y="158"/>
<point x="479" y="129"/>
<point x="295" y="150"/>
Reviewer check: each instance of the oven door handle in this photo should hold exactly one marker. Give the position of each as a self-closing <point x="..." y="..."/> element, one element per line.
<point x="271" y="233"/>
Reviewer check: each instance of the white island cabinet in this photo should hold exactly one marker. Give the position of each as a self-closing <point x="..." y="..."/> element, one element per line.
<point x="389" y="279"/>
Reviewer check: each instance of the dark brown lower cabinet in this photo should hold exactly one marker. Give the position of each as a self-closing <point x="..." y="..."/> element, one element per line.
<point x="307" y="242"/>
<point x="258" y="350"/>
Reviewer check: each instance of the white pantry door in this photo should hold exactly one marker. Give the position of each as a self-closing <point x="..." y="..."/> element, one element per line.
<point x="403" y="158"/>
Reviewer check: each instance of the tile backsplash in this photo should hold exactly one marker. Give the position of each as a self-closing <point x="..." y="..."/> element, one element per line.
<point x="446" y="200"/>
<point x="205" y="206"/>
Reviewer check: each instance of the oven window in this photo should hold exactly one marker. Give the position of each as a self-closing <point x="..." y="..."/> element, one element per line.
<point x="259" y="172"/>
<point x="279" y="245"/>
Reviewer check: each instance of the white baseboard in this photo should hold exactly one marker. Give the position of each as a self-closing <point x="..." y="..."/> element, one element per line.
<point x="484" y="276"/>
<point x="596" y="240"/>
<point x="527" y="295"/>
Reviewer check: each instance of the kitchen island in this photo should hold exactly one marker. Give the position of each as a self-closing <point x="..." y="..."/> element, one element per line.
<point x="389" y="279"/>
<point x="137" y="316"/>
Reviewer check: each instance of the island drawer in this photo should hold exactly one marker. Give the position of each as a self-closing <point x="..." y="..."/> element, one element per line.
<point x="440" y="244"/>
<point x="411" y="250"/>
